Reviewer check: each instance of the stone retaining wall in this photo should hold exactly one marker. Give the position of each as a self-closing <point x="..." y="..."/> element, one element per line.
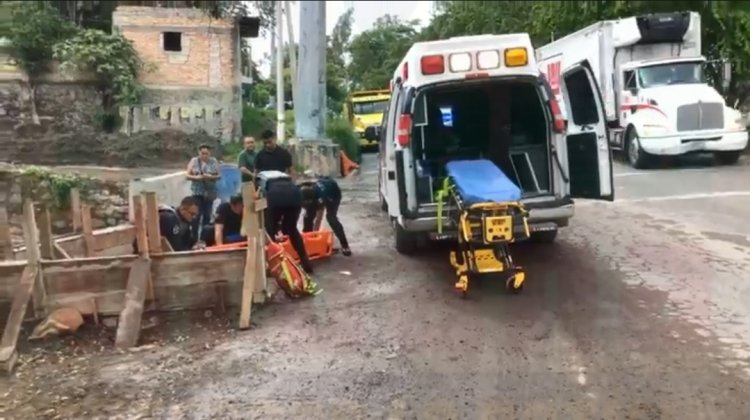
<point x="108" y="199"/>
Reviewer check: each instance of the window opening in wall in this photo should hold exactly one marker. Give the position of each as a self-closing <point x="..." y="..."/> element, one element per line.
<point x="172" y="41"/>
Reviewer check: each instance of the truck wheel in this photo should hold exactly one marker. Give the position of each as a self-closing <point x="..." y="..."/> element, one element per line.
<point x="637" y="158"/>
<point x="406" y="242"/>
<point x="728" y="158"/>
<point x="544" y="236"/>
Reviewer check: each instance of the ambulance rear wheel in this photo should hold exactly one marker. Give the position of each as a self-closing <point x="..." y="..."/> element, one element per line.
<point x="406" y="242"/>
<point x="544" y="236"/>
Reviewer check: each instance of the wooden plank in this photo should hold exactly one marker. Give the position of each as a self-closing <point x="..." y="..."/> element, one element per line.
<point x="92" y="263"/>
<point x="260" y="205"/>
<point x="59" y="252"/>
<point x="31" y="237"/>
<point x="23" y="292"/>
<point x="88" y="230"/>
<point x="46" y="242"/>
<point x="152" y="222"/>
<point x="139" y="221"/>
<point x="6" y="243"/>
<point x="141" y="236"/>
<point x="166" y="246"/>
<point x="75" y="210"/>
<point x="259" y="291"/>
<point x="129" y="326"/>
<point x="250" y="225"/>
<point x="114" y="237"/>
<point x="180" y="269"/>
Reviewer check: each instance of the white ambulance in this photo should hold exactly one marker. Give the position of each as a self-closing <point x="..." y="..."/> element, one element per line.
<point x="484" y="97"/>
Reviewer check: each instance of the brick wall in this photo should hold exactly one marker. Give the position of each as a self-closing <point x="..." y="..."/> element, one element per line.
<point x="208" y="57"/>
<point x="197" y="87"/>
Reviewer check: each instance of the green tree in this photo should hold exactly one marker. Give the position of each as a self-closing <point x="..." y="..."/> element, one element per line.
<point x="111" y="59"/>
<point x="725" y="26"/>
<point x="32" y="32"/>
<point x="336" y="76"/>
<point x="376" y="53"/>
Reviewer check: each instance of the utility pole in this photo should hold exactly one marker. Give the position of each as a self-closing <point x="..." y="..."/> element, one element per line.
<point x="310" y="108"/>
<point x="292" y="50"/>
<point x="280" y="123"/>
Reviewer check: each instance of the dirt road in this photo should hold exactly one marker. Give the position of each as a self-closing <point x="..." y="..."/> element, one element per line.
<point x="640" y="310"/>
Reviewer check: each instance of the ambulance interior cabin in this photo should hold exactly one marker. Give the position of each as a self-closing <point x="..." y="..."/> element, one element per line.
<point x="502" y="120"/>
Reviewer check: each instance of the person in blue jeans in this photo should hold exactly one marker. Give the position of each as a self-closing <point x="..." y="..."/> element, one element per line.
<point x="228" y="223"/>
<point x="203" y="173"/>
<point x="323" y="194"/>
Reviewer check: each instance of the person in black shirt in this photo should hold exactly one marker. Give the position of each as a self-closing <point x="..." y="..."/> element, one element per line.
<point x="284" y="207"/>
<point x="273" y="157"/>
<point x="324" y="194"/>
<point x="176" y="225"/>
<point x="229" y="221"/>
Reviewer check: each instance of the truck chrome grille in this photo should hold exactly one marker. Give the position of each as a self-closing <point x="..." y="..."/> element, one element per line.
<point x="700" y="116"/>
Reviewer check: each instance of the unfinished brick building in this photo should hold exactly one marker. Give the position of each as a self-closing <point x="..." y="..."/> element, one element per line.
<point x="195" y="77"/>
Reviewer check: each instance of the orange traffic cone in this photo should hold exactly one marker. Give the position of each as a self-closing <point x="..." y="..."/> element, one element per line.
<point x="347" y="165"/>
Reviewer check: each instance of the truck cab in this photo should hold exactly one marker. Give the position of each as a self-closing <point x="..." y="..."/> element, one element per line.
<point x="668" y="108"/>
<point x="365" y="111"/>
<point x="656" y="95"/>
<point x="484" y="97"/>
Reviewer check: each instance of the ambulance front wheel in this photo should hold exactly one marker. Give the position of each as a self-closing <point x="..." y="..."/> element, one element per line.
<point x="406" y="242"/>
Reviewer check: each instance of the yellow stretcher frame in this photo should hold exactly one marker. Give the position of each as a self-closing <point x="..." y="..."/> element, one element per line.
<point x="484" y="232"/>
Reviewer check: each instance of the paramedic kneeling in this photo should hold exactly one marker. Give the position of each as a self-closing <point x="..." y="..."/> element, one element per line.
<point x="176" y="225"/>
<point x="284" y="207"/>
<point x="324" y="194"/>
<point x="229" y="222"/>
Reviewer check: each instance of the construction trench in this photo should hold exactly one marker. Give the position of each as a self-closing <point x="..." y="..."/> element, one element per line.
<point x="96" y="273"/>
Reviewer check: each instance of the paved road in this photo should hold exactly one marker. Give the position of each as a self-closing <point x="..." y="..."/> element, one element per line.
<point x="641" y="310"/>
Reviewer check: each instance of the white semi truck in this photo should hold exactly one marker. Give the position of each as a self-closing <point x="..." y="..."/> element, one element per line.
<point x="651" y="75"/>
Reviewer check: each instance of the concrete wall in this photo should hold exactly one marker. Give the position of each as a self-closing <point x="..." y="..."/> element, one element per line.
<point x="171" y="188"/>
<point x="195" y="88"/>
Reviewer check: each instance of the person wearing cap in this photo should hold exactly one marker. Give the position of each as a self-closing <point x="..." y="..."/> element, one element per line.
<point x="322" y="194"/>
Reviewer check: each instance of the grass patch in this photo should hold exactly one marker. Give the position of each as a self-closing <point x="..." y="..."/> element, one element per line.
<point x="341" y="132"/>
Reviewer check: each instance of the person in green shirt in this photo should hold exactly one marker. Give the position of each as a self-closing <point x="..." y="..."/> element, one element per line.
<point x="246" y="161"/>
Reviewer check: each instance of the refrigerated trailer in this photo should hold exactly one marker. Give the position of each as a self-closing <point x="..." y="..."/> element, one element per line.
<point x="651" y="75"/>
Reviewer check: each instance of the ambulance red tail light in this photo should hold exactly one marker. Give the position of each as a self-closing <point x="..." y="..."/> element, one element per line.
<point x="557" y="117"/>
<point x="432" y="64"/>
<point x="403" y="133"/>
<point x="405" y="71"/>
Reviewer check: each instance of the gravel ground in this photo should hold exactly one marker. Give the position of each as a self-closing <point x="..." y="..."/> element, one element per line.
<point x="639" y="310"/>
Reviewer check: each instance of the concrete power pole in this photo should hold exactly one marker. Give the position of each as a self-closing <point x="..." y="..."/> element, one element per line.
<point x="280" y="123"/>
<point x="292" y="49"/>
<point x="310" y="109"/>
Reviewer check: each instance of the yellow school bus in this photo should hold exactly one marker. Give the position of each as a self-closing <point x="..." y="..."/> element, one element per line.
<point x="365" y="109"/>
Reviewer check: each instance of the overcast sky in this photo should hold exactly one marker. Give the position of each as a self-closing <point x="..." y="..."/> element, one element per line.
<point x="365" y="14"/>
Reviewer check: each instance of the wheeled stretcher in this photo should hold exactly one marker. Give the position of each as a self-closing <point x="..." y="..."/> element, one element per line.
<point x="484" y="207"/>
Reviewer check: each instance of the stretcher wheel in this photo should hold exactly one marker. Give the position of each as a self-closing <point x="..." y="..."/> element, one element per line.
<point x="514" y="283"/>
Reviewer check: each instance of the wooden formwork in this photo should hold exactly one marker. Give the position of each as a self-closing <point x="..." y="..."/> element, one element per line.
<point x="97" y="272"/>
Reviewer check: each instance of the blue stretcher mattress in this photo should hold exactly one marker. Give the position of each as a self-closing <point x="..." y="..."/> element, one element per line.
<point x="480" y="181"/>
